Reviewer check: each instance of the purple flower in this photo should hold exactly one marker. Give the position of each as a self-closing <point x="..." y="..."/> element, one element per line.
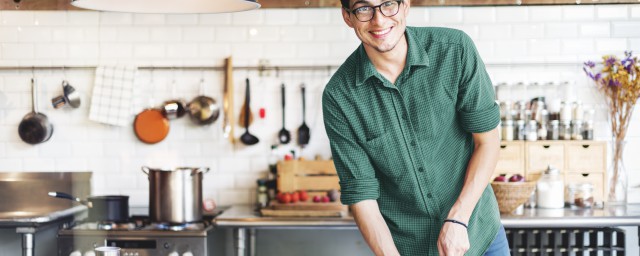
<point x="611" y="61"/>
<point x="614" y="83"/>
<point x="590" y="64"/>
<point x="597" y="77"/>
<point x="628" y="54"/>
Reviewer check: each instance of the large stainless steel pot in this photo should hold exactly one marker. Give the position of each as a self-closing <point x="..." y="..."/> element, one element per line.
<point x="175" y="196"/>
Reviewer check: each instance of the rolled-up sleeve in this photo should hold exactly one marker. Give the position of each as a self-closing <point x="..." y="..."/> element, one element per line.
<point x="476" y="106"/>
<point x="357" y="176"/>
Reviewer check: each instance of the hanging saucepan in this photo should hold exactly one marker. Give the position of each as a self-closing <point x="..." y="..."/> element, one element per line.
<point x="173" y="109"/>
<point x="203" y="110"/>
<point x="151" y="126"/>
<point x="102" y="208"/>
<point x="35" y="127"/>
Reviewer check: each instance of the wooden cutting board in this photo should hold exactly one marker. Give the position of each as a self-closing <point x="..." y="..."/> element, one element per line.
<point x="306" y="209"/>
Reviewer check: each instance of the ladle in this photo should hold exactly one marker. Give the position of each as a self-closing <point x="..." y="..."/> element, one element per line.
<point x="303" y="131"/>
<point x="247" y="138"/>
<point x="283" y="135"/>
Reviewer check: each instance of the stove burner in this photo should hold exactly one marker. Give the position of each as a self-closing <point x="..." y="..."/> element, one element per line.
<point x="115" y="226"/>
<point x="176" y="227"/>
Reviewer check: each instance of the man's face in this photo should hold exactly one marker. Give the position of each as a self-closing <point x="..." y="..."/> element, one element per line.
<point x="380" y="33"/>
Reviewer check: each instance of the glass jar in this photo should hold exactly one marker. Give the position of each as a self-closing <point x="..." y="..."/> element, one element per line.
<point x="578" y="111"/>
<point x="507" y="130"/>
<point x="587" y="130"/>
<point x="550" y="189"/>
<point x="532" y="131"/>
<point x="506" y="110"/>
<point x="576" y="130"/>
<point x="263" y="198"/>
<point x="565" y="130"/>
<point x="581" y="195"/>
<point x="565" y="112"/>
<point x="553" y="132"/>
<point x="520" y="130"/>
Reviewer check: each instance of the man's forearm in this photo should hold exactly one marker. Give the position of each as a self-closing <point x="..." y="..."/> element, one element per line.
<point x="373" y="227"/>
<point x="481" y="166"/>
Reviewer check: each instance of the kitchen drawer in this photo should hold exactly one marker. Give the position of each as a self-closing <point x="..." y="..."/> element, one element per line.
<point x="541" y="154"/>
<point x="586" y="157"/>
<point x="511" y="157"/>
<point x="597" y="179"/>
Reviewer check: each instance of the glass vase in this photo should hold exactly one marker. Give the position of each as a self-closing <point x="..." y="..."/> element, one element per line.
<point x="618" y="181"/>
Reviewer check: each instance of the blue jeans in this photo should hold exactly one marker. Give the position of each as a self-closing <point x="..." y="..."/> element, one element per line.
<point x="500" y="245"/>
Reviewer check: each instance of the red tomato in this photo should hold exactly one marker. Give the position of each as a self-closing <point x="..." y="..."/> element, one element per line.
<point x="303" y="196"/>
<point x="295" y="197"/>
<point x="317" y="199"/>
<point x="284" y="198"/>
<point x="325" y="199"/>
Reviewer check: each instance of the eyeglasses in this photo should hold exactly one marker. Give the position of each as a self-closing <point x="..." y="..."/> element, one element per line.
<point x="366" y="13"/>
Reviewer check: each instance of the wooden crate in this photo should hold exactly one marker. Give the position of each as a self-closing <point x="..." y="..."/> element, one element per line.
<point x="316" y="177"/>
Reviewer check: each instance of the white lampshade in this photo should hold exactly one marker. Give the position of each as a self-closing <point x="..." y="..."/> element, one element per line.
<point x="167" y="6"/>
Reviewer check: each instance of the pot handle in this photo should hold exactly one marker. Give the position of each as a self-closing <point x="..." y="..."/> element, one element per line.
<point x="62" y="195"/>
<point x="201" y="170"/>
<point x="146" y="170"/>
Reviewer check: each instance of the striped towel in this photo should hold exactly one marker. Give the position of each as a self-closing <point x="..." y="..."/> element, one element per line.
<point x="112" y="97"/>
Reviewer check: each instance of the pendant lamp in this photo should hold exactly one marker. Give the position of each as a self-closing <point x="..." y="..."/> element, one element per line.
<point x="167" y="6"/>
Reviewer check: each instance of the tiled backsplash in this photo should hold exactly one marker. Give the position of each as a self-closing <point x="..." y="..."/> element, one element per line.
<point x="531" y="44"/>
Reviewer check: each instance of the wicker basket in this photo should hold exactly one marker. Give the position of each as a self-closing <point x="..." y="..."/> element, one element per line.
<point x="510" y="195"/>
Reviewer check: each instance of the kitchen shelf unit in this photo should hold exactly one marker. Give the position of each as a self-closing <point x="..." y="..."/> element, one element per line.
<point x="578" y="161"/>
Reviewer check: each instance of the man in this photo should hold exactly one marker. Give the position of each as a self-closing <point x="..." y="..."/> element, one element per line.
<point x="412" y="123"/>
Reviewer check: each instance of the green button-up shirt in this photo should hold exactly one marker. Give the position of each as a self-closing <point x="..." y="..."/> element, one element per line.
<point x="407" y="145"/>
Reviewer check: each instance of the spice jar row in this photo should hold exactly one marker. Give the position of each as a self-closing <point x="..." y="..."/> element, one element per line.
<point x="554" y="130"/>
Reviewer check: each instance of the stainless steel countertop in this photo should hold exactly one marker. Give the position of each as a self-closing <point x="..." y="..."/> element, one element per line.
<point x="28" y="219"/>
<point x="244" y="216"/>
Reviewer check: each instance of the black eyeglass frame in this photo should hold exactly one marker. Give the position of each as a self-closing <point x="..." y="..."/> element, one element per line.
<point x="379" y="7"/>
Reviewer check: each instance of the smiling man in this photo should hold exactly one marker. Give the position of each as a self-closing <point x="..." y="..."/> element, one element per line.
<point x="412" y="123"/>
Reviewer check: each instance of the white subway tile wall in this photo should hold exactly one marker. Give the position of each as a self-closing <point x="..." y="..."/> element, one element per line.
<point x="503" y="35"/>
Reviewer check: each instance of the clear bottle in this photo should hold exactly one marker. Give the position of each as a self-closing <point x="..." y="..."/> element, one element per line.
<point x="565" y="112"/>
<point x="532" y="131"/>
<point x="587" y="130"/>
<point x="263" y="197"/>
<point x="576" y="130"/>
<point x="520" y="130"/>
<point x="553" y="132"/>
<point x="550" y="189"/>
<point x="577" y="111"/>
<point x="580" y="195"/>
<point x="507" y="130"/>
<point x="565" y="130"/>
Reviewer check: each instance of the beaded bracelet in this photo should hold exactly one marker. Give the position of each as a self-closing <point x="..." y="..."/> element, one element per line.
<point x="456" y="222"/>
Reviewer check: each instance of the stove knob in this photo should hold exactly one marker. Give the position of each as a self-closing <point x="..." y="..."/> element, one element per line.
<point x="75" y="253"/>
<point x="173" y="254"/>
<point x="89" y="253"/>
<point x="187" y="254"/>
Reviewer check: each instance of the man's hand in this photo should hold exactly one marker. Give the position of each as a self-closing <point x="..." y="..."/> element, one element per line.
<point x="373" y="228"/>
<point x="453" y="240"/>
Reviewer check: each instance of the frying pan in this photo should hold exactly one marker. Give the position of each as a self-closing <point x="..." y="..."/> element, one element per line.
<point x="151" y="126"/>
<point x="35" y="127"/>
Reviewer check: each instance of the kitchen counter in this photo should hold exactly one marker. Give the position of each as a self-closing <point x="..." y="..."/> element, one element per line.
<point x="245" y="220"/>
<point x="34" y="219"/>
<point x="244" y="216"/>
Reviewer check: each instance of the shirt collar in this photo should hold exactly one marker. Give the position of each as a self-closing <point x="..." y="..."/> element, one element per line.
<point x="416" y="56"/>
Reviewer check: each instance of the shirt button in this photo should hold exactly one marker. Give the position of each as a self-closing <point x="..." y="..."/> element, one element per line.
<point x="413" y="143"/>
<point x="429" y="195"/>
<point x="421" y="169"/>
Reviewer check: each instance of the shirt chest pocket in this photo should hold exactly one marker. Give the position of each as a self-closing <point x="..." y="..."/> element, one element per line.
<point x="385" y="153"/>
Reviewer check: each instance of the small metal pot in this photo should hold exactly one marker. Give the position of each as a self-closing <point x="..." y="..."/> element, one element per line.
<point x="203" y="110"/>
<point x="175" y="196"/>
<point x="102" y="208"/>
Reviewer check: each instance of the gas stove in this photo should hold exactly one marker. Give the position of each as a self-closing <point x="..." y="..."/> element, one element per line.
<point x="137" y="237"/>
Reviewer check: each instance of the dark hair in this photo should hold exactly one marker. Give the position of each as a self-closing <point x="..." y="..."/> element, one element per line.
<point x="345" y="4"/>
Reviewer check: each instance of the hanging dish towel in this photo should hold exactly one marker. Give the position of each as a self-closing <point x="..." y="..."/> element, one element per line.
<point x="112" y="97"/>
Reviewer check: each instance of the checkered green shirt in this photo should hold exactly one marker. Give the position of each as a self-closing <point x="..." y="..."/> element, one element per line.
<point x="407" y="145"/>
